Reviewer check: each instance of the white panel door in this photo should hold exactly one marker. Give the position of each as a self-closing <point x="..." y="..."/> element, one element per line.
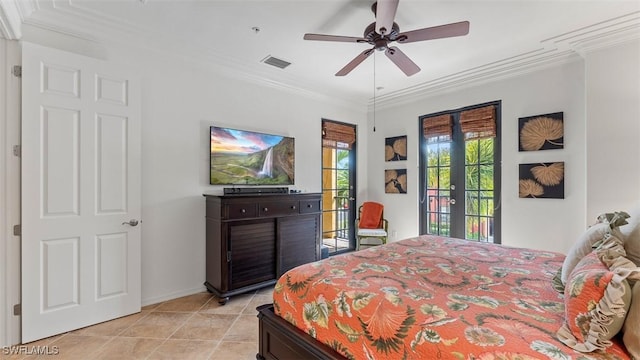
<point x="80" y="189"/>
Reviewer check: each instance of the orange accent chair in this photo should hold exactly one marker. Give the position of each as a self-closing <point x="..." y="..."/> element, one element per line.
<point x="371" y="223"/>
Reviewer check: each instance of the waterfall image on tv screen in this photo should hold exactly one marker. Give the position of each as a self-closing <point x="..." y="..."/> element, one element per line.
<point x="240" y="157"/>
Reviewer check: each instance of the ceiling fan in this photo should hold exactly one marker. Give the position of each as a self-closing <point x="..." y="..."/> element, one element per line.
<point x="384" y="31"/>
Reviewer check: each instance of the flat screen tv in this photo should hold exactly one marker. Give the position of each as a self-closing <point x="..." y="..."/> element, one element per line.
<point x="240" y="157"/>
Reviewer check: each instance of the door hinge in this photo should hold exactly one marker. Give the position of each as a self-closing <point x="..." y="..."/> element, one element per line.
<point x="17" y="150"/>
<point x="17" y="309"/>
<point x="228" y="256"/>
<point x="17" y="71"/>
<point x="17" y="230"/>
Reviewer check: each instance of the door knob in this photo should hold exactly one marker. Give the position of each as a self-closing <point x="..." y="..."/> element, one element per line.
<point x="132" y="222"/>
<point x="452" y="201"/>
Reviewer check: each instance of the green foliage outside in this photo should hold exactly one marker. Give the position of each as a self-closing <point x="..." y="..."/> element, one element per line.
<point x="342" y="164"/>
<point x="479" y="156"/>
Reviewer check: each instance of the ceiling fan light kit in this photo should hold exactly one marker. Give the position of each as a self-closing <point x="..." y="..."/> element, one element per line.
<point x="384" y="31"/>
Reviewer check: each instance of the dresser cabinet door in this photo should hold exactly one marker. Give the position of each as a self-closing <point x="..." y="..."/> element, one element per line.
<point x="298" y="241"/>
<point x="252" y="252"/>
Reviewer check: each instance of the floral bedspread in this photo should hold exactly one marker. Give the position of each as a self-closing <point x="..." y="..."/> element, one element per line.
<point x="432" y="298"/>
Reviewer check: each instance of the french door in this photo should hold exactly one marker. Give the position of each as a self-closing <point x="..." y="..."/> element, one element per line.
<point x="460" y="173"/>
<point x="338" y="186"/>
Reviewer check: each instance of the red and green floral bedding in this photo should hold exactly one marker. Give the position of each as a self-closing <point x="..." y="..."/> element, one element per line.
<point x="432" y="298"/>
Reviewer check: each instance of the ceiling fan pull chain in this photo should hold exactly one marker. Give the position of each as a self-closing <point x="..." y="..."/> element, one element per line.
<point x="374" y="92"/>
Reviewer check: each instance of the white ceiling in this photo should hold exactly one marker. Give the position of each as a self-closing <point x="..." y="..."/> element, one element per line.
<point x="504" y="37"/>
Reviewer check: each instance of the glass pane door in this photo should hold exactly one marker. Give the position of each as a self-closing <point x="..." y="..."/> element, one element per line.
<point x="460" y="185"/>
<point x="338" y="197"/>
<point x="438" y="187"/>
<point x="479" y="190"/>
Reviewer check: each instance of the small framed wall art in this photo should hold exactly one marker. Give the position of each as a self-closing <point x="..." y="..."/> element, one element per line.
<point x="395" y="148"/>
<point x="395" y="181"/>
<point x="541" y="132"/>
<point x="541" y="180"/>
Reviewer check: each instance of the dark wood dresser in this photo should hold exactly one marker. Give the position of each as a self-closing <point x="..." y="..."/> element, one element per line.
<point x="253" y="239"/>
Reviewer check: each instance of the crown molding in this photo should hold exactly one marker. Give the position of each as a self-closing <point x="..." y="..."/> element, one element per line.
<point x="10" y="20"/>
<point x="555" y="51"/>
<point x="12" y="16"/>
<point x="598" y="36"/>
<point x="116" y="32"/>
<point x="500" y="70"/>
<point x="71" y="18"/>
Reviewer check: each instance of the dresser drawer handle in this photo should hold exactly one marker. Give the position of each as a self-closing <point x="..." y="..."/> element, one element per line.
<point x="309" y="206"/>
<point x="243" y="211"/>
<point x="293" y="207"/>
<point x="265" y="209"/>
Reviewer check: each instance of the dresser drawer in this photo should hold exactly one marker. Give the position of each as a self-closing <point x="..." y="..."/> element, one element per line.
<point x="309" y="206"/>
<point x="241" y="211"/>
<point x="277" y="208"/>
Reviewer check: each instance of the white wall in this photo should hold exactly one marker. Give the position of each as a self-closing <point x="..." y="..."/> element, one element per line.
<point x="178" y="108"/>
<point x="613" y="128"/>
<point x="180" y="100"/>
<point x="550" y="224"/>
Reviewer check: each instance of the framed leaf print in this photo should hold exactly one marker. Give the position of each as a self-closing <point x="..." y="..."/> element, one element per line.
<point x="395" y="148"/>
<point x="541" y="180"/>
<point x="541" y="132"/>
<point x="395" y="181"/>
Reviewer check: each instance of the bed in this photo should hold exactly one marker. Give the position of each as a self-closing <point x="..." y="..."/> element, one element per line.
<point x="422" y="298"/>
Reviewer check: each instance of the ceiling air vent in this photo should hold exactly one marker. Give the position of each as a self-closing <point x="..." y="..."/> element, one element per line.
<point x="279" y="63"/>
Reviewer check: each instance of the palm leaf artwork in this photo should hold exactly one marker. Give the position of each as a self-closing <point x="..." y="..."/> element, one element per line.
<point x="395" y="148"/>
<point x="528" y="187"/>
<point x="549" y="175"/>
<point x="388" y="153"/>
<point x="535" y="132"/>
<point x="400" y="147"/>
<point x="542" y="180"/>
<point x="395" y="181"/>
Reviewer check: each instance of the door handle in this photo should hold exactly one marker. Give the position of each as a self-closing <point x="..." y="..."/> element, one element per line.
<point x="132" y="222"/>
<point x="452" y="201"/>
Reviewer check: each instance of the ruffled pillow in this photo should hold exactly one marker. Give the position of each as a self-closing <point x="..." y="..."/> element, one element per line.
<point x="607" y="223"/>
<point x="582" y="247"/>
<point x="597" y="297"/>
<point x="631" y="234"/>
<point x="631" y="327"/>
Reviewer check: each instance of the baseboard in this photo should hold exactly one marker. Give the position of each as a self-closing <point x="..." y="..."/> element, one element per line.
<point x="173" y="295"/>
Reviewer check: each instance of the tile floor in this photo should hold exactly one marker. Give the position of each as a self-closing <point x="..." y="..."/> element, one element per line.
<point x="191" y="327"/>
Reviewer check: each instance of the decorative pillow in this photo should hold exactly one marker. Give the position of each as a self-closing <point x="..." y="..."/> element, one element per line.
<point x="371" y="215"/>
<point x="582" y="247"/>
<point x="632" y="324"/>
<point x="631" y="235"/>
<point x="607" y="223"/>
<point x="597" y="297"/>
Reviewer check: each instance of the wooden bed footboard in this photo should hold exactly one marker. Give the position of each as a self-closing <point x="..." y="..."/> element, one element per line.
<point x="279" y="340"/>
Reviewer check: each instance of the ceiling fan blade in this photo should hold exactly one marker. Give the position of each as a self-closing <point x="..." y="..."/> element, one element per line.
<point x="436" y="32"/>
<point x="385" y="15"/>
<point x="402" y="61"/>
<point x="320" y="37"/>
<point x="355" y="62"/>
